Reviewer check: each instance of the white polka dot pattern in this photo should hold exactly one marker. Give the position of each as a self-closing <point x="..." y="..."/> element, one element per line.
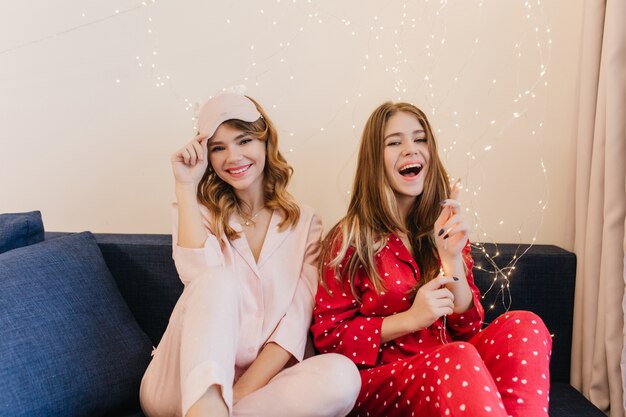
<point x="499" y="371"/>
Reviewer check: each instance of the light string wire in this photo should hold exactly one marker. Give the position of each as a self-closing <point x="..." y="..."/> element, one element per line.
<point x="501" y="275"/>
<point x="114" y="15"/>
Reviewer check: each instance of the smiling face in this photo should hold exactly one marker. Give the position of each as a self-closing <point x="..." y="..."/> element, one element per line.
<point x="406" y="156"/>
<point x="238" y="158"/>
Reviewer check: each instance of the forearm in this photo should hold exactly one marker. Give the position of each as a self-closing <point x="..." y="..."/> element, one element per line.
<point x="397" y="325"/>
<point x="270" y="361"/>
<point x="462" y="292"/>
<point x="191" y="231"/>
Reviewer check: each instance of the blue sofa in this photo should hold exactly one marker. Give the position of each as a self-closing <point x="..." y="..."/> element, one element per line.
<point x="137" y="308"/>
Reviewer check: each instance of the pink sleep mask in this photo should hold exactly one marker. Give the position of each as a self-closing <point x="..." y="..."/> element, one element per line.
<point x="223" y="107"/>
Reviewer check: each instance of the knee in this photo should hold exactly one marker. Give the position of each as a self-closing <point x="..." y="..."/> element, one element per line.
<point x="519" y="317"/>
<point x="341" y="372"/>
<point x="525" y="326"/>
<point x="341" y="380"/>
<point x="152" y="397"/>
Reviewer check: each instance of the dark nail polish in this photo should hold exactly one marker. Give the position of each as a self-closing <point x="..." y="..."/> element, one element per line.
<point x="455" y="278"/>
<point x="445" y="237"/>
<point x="442" y="202"/>
<point x="440" y="232"/>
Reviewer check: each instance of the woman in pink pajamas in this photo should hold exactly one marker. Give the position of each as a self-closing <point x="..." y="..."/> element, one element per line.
<point x="398" y="298"/>
<point x="247" y="254"/>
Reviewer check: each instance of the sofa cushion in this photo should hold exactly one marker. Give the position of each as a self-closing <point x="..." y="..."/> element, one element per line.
<point x="565" y="401"/>
<point x="68" y="342"/>
<point x="20" y="229"/>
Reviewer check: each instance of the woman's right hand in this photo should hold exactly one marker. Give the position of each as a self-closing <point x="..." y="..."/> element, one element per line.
<point x="433" y="300"/>
<point x="190" y="162"/>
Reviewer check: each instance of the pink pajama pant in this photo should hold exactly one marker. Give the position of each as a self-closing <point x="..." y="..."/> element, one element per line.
<point x="199" y="348"/>
<point x="501" y="371"/>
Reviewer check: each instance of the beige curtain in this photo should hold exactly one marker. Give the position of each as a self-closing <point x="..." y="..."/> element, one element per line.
<point x="624" y="347"/>
<point x="598" y="337"/>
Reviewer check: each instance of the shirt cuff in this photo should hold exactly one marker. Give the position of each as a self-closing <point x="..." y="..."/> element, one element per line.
<point x="466" y="324"/>
<point x="366" y="340"/>
<point x="191" y="262"/>
<point x="290" y="337"/>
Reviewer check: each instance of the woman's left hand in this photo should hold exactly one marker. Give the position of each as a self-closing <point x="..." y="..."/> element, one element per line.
<point x="451" y="229"/>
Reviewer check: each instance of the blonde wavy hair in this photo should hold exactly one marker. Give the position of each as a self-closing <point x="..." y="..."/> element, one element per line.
<point x="373" y="213"/>
<point x="219" y="197"/>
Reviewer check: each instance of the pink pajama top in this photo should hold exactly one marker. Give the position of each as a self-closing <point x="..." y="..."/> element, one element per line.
<point x="277" y="291"/>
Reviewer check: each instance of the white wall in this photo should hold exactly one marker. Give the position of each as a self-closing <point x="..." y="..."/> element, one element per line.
<point x="87" y="123"/>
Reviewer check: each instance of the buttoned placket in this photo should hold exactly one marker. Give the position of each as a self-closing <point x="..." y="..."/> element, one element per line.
<point x="272" y="241"/>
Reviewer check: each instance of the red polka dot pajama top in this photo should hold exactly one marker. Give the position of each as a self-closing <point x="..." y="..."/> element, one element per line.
<point x="452" y="368"/>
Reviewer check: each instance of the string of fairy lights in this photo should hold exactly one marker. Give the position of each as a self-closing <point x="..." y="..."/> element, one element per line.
<point x="403" y="43"/>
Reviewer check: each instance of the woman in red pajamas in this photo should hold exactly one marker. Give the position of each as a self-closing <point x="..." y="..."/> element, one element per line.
<point x="398" y="297"/>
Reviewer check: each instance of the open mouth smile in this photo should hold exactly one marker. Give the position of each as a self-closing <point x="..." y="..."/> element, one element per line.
<point x="410" y="170"/>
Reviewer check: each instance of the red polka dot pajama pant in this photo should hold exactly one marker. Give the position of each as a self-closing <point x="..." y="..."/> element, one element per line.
<point x="501" y="371"/>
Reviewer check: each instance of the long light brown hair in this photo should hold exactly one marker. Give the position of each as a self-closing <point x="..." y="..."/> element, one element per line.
<point x="373" y="212"/>
<point x="220" y="198"/>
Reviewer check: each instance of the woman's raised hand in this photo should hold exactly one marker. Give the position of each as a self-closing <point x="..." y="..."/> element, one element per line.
<point x="433" y="300"/>
<point x="451" y="229"/>
<point x="190" y="162"/>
